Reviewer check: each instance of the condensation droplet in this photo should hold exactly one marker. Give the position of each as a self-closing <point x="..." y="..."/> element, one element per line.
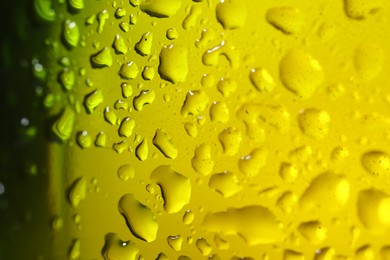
<point x="63" y="126"/>
<point x="288" y="172"/>
<point x="231" y="13"/>
<point x="360" y="9"/>
<point x="227" y="87"/>
<point x="127" y="90"/>
<point x="44" y="10"/>
<point x="74" y="250"/>
<point x="110" y="116"/>
<point x="368" y="60"/>
<point x="326" y="253"/>
<point x="119" y="147"/>
<point x="164" y="143"/>
<point x="175" y="242"/>
<point x="195" y="103"/>
<point x="287" y="201"/>
<point x="140" y="219"/>
<point x="188" y="217"/>
<point x="121" y="104"/>
<point x="292" y="255"/>
<point x="364" y="253"/>
<point x="67" y="78"/>
<point x="172" y="34"/>
<point x="191" y="129"/>
<point x="129" y="70"/>
<point x="114" y="248"/>
<point x="127" y="126"/>
<point x="191" y="19"/>
<point x="161" y="8"/>
<point x="93" y="100"/>
<point x="84" y="139"/>
<point x="71" y="33"/>
<point x="148" y="73"/>
<point x="289" y="20"/>
<point x="77" y="191"/>
<point x="230" y="139"/>
<point x="175" y="187"/>
<point x="120" y="12"/>
<point x="142" y="150"/>
<point x="226" y="183"/>
<point x="219" y="112"/>
<point x="251" y="164"/>
<point x="126" y="172"/>
<point x="145" y="97"/>
<point x="261" y="80"/>
<point x="119" y="45"/>
<point x="101" y="139"/>
<point x="202" y="162"/>
<point x="102" y="18"/>
<point x="144" y="45"/>
<point x="173" y="65"/>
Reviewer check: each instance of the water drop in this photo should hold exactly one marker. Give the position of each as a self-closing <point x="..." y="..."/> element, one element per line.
<point x="326" y="253"/>
<point x="202" y="162"/>
<point x="93" y="100"/>
<point x="127" y="90"/>
<point x="376" y="163"/>
<point x="175" y="187"/>
<point x="44" y="10"/>
<point x="288" y="172"/>
<point x="101" y="139"/>
<point x="142" y="150"/>
<point x="261" y="80"/>
<point x="374" y="210"/>
<point x="203" y="246"/>
<point x="340" y="153"/>
<point x="119" y="147"/>
<point x="133" y="19"/>
<point x="255" y="224"/>
<point x="145" y="97"/>
<point x="188" y="217"/>
<point x="76" y="5"/>
<point x="84" y="140"/>
<point x="368" y="61"/>
<point x="292" y="255"/>
<point x="161" y="8"/>
<point x="286" y="201"/>
<point x="57" y="223"/>
<point x="219" y="112"/>
<point x="300" y="73"/>
<point x="251" y="164"/>
<point x="119" y="45"/>
<point x="191" y="19"/>
<point x="230" y="139"/>
<point x="124" y="26"/>
<point x="226" y="183"/>
<point x="360" y="9"/>
<point x="144" y="45"/>
<point x="148" y="73"/>
<point x="110" y="116"/>
<point x="126" y="172"/>
<point x="114" y="248"/>
<point x="172" y="34"/>
<point x="102" y="18"/>
<point x="326" y="192"/>
<point x="313" y="231"/>
<point x="121" y="104"/>
<point x="120" y="12"/>
<point x="231" y="14"/>
<point x="67" y="78"/>
<point x="211" y="56"/>
<point x="289" y="20"/>
<point x="227" y="87"/>
<point x="221" y="243"/>
<point x="63" y="126"/>
<point x="89" y="20"/>
<point x="164" y="143"/>
<point x="77" y="191"/>
<point x="173" y="63"/>
<point x="102" y="59"/>
<point x="129" y="70"/>
<point x="175" y="242"/>
<point x="191" y="129"/>
<point x="195" y="103"/>
<point x="365" y="253"/>
<point x="74" y="250"/>
<point x="70" y="33"/>
<point x="127" y="126"/>
<point x="135" y="2"/>
<point x="140" y="219"/>
<point x="314" y="123"/>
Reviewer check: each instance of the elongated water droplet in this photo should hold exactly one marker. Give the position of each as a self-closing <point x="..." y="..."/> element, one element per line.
<point x="192" y="18"/>
<point x="127" y="126"/>
<point x="67" y="78"/>
<point x="289" y="20"/>
<point x="261" y="80"/>
<point x="127" y="90"/>
<point x="142" y="150"/>
<point x="292" y="255"/>
<point x="161" y="8"/>
<point x="77" y="191"/>
<point x="84" y="139"/>
<point x="376" y="163"/>
<point x="175" y="187"/>
<point x="188" y="217"/>
<point x="145" y="97"/>
<point x="74" y="250"/>
<point x="202" y="161"/>
<point x="102" y="18"/>
<point x="140" y="219"/>
<point x="70" y="33"/>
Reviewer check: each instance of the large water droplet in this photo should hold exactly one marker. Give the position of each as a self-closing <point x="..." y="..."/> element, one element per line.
<point x="145" y="97"/>
<point x="63" y="126"/>
<point x="173" y="63"/>
<point x="231" y="13"/>
<point x="102" y="59"/>
<point x="144" y="45"/>
<point x="176" y="188"/>
<point x="300" y="73"/>
<point x="161" y="8"/>
<point x="286" y="19"/>
<point x="202" y="161"/>
<point x="140" y="219"/>
<point x="225" y="183"/>
<point x="195" y="103"/>
<point x="164" y="143"/>
<point x="255" y="224"/>
<point x="114" y="248"/>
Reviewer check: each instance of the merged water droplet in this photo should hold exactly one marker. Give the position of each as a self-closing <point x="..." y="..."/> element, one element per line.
<point x="175" y="187"/>
<point x="145" y="97"/>
<point x="255" y="224"/>
<point x="140" y="219"/>
<point x="226" y="183"/>
<point x="114" y="248"/>
<point x="119" y="147"/>
<point x="102" y="18"/>
<point x="192" y="18"/>
<point x="289" y="20"/>
<point x="202" y="162"/>
<point x="173" y="65"/>
<point x="300" y="73"/>
<point x="203" y="246"/>
<point x="231" y="13"/>
<point x="219" y="112"/>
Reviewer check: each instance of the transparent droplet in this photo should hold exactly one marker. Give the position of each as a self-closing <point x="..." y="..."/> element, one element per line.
<point x="127" y="90"/>
<point x="74" y="250"/>
<point x="172" y="34"/>
<point x="119" y="147"/>
<point x="195" y="103"/>
<point x="84" y="140"/>
<point x="145" y="97"/>
<point x="144" y="45"/>
<point x="89" y="20"/>
<point x="226" y="183"/>
<point x="219" y="112"/>
<point x="300" y="73"/>
<point x="121" y="105"/>
<point x="135" y="2"/>
<point x="120" y="12"/>
<point x="327" y="253"/>
<point x="56" y="223"/>
<point x="161" y="8"/>
<point x="358" y="9"/>
<point x="188" y="217"/>
<point x="129" y="70"/>
<point x="102" y="18"/>
<point x="63" y="126"/>
<point x="148" y="73"/>
<point x="175" y="242"/>
<point x="231" y="14"/>
<point x="175" y="187"/>
<point x="119" y="45"/>
<point x="124" y="26"/>
<point x="77" y="191"/>
<point x="164" y="143"/>
<point x="192" y="18"/>
<point x="93" y="100"/>
<point x="102" y="59"/>
<point x="126" y="172"/>
<point x="289" y="20"/>
<point x="255" y="224"/>
<point x="203" y="246"/>
<point x="261" y="80"/>
<point x="127" y="126"/>
<point x="221" y="243"/>
<point x="202" y="162"/>
<point x="142" y="150"/>
<point x="140" y="219"/>
<point x="110" y="116"/>
<point x="101" y="139"/>
<point x="71" y="34"/>
<point x="133" y="19"/>
<point x="67" y="78"/>
<point x="114" y="248"/>
<point x="251" y="164"/>
<point x="173" y="63"/>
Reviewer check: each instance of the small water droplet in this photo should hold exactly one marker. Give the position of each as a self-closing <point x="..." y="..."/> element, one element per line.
<point x="175" y="187"/>
<point x="127" y="126"/>
<point x="202" y="162"/>
<point x="188" y="217"/>
<point x="77" y="191"/>
<point x="127" y="90"/>
<point x="129" y="70"/>
<point x="288" y="172"/>
<point x="84" y="140"/>
<point x="121" y="105"/>
<point x="148" y="73"/>
<point x="292" y="255"/>
<point x="326" y="253"/>
<point x="191" y="129"/>
<point x="120" y="12"/>
<point x="101" y="139"/>
<point x="110" y="116"/>
<point x="74" y="250"/>
<point x="313" y="231"/>
<point x="364" y="253"/>
<point x="140" y="219"/>
<point x="145" y="97"/>
<point x="221" y="243"/>
<point x="175" y="242"/>
<point x="102" y="59"/>
<point x="56" y="223"/>
<point x="124" y="26"/>
<point x="172" y="34"/>
<point x="358" y="10"/>
<point x="119" y="45"/>
<point x="261" y="80"/>
<point x="142" y="150"/>
<point x="289" y="20"/>
<point x="67" y="78"/>
<point x="133" y="19"/>
<point x="368" y="60"/>
<point x="126" y="172"/>
<point x="286" y="201"/>
<point x="93" y="100"/>
<point x="376" y="163"/>
<point x="119" y="147"/>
